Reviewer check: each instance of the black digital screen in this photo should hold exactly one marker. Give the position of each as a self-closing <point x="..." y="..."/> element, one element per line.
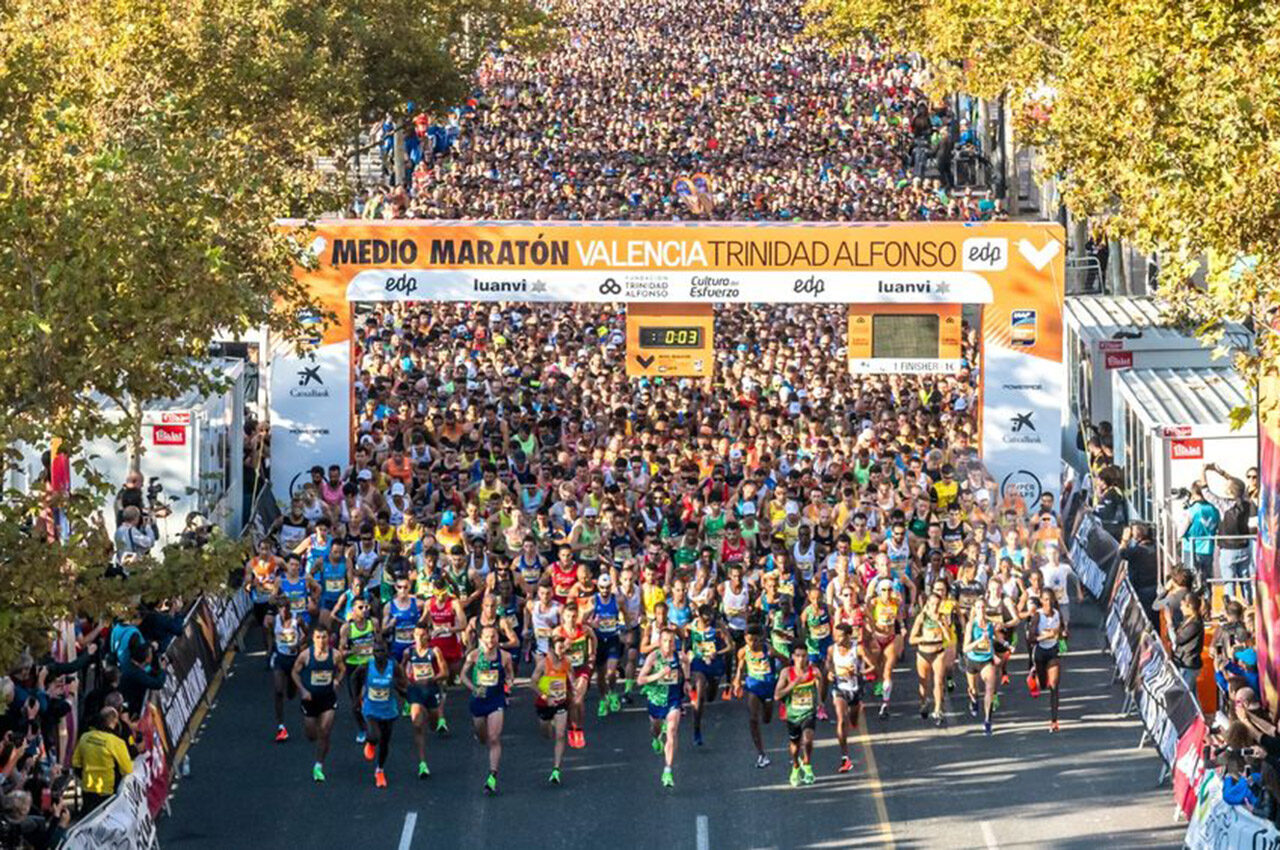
<point x="655" y="337"/>
<point x="904" y="337"/>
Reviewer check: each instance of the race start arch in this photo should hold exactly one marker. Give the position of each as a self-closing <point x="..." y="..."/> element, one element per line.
<point x="904" y="282"/>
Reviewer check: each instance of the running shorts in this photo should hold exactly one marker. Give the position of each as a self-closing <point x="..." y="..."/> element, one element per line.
<point x="796" y="730"/>
<point x="319" y="704"/>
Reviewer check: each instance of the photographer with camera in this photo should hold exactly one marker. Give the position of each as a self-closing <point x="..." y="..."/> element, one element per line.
<point x="1235" y="551"/>
<point x="133" y="539"/>
<point x="21" y="827"/>
<point x="1198" y="530"/>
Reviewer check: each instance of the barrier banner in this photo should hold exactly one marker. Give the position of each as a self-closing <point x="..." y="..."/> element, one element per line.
<point x="152" y="763"/>
<point x="1215" y="825"/>
<point x="123" y="822"/>
<point x="1093" y="555"/>
<point x="187" y="680"/>
<point x="1189" y="766"/>
<point x="1267" y="625"/>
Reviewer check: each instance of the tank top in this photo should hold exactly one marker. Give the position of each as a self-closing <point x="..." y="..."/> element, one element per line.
<point x="487" y="674"/>
<point x="504" y="587"/>
<point x="553" y="684"/>
<point x="760" y="667"/>
<point x="802" y="701"/>
<point x="667" y="689"/>
<point x="984" y="634"/>
<point x="883" y="614"/>
<point x="1047" y="622"/>
<point x="736" y="605"/>
<point x="318" y="674"/>
<point x="403" y="620"/>
<point x="421" y="666"/>
<point x="607" y="619"/>
<point x="544" y="623"/>
<point x="706" y="643"/>
<point x="288" y="637"/>
<point x="817" y="630"/>
<point x="932" y="631"/>
<point x="859" y="543"/>
<point x="295" y="590"/>
<point x="804" y="559"/>
<point x="441" y="613"/>
<point x="379" y="691"/>
<point x="359" y="643"/>
<point x="563" y="578"/>
<point x="713" y="528"/>
<point x="333" y="578"/>
<point x="899" y="553"/>
<point x="291" y="534"/>
<point x="590" y="542"/>
<point x="575" y="646"/>
<point x="530" y="570"/>
<point x="631" y="604"/>
<point x="846" y="663"/>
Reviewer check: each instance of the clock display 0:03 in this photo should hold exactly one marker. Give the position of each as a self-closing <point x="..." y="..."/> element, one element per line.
<point x="659" y="337"/>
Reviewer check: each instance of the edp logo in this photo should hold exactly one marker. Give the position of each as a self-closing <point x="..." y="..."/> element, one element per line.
<point x="985" y="255"/>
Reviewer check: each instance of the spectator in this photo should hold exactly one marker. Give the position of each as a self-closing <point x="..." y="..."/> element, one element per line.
<point x="1170" y="597"/>
<point x="1111" y="507"/>
<point x="30" y="828"/>
<point x="1188" y="641"/>
<point x="1139" y="553"/>
<point x="1235" y="544"/>
<point x="101" y="757"/>
<point x="141" y="675"/>
<point x="1198" y="530"/>
<point x="132" y="539"/>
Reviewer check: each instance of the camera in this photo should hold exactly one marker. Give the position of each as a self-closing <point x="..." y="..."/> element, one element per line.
<point x="154" y="488"/>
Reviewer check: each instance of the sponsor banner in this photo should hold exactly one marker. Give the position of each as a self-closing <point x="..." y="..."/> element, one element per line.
<point x="1215" y="825"/>
<point x="228" y="613"/>
<point x="168" y="435"/>
<point x="611" y="285"/>
<point x="670" y="340"/>
<point x="185" y="684"/>
<point x="152" y="763"/>
<point x="1094" y="555"/>
<point x="1267" y="617"/>
<point x="1189" y="767"/>
<point x="1118" y="359"/>
<point x="310" y="412"/>
<point x="1186" y="449"/>
<point x="1022" y="423"/>
<point x="123" y="822"/>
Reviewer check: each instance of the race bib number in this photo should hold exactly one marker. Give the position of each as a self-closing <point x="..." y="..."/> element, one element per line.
<point x="735" y="613"/>
<point x="441" y="631"/>
<point x="404" y="634"/>
<point x="670" y="676"/>
<point x="379" y="694"/>
<point x="335" y="585"/>
<point x="487" y="678"/>
<point x="321" y="678"/>
<point x="542" y="632"/>
<point x="578" y="656"/>
<point x="820" y="631"/>
<point x="707" y="649"/>
<point x="422" y="671"/>
<point x="557" y="690"/>
<point x="608" y="624"/>
<point x="758" y="668"/>
<point x="845" y="673"/>
<point x="802" y="699"/>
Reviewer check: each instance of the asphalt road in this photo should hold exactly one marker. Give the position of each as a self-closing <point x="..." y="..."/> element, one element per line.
<point x="913" y="785"/>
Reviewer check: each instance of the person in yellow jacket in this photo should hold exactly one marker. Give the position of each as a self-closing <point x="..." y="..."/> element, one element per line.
<point x="99" y="754"/>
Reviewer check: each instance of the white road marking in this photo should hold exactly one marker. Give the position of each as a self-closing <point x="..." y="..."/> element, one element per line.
<point x="704" y="833"/>
<point x="989" y="835"/>
<point x="406" y="834"/>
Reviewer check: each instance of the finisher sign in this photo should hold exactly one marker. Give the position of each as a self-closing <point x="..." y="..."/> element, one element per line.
<point x="1014" y="271"/>
<point x="670" y="340"/>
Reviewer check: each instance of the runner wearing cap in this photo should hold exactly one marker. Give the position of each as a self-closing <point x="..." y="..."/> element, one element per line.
<point x="607" y="621"/>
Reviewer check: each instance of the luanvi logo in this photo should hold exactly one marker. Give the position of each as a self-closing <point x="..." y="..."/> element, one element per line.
<point x="923" y="287"/>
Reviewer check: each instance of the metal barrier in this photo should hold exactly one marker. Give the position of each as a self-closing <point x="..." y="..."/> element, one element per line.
<point x="1084" y="275"/>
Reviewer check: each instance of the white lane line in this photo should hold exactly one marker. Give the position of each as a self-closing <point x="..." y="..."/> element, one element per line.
<point x="989" y="836"/>
<point x="406" y="834"/>
<point x="704" y="833"/>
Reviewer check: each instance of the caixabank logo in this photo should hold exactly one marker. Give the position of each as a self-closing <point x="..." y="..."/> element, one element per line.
<point x="310" y="384"/>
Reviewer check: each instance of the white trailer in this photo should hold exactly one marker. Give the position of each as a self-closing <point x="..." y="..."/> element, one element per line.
<point x="1109" y="335"/>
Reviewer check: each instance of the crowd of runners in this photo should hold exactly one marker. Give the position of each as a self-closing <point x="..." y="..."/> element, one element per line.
<point x="524" y="525"/>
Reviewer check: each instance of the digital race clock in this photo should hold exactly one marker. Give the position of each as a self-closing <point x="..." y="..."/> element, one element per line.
<point x="659" y="337"/>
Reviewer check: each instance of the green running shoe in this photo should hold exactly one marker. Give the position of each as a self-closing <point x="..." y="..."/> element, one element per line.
<point x="603" y="710"/>
<point x="668" y="781"/>
<point x="878" y="690"/>
<point x="317" y="773"/>
<point x="423" y="770"/>
<point x="795" y="777"/>
<point x="657" y="745"/>
<point x="491" y="784"/>
<point x="554" y="778"/>
<point x="807" y="770"/>
<point x="615" y="702"/>
<point x="442" y="726"/>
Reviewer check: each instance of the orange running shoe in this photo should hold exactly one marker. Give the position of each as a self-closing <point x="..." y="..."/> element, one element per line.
<point x="369" y="751"/>
<point x="379" y="778"/>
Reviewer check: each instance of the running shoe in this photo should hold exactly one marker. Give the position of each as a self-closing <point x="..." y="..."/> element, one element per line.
<point x="951" y="684"/>
<point x="442" y="727"/>
<point x="668" y="781"/>
<point x="693" y="695"/>
<point x="1032" y="685"/>
<point x="973" y="707"/>
<point x="657" y="745"/>
<point x="603" y="710"/>
<point x="554" y="778"/>
<point x="782" y="711"/>
<point x="846" y="765"/>
<point x="317" y="773"/>
<point x="726" y="693"/>
<point x="1004" y="678"/>
<point x="423" y="771"/>
<point x="282" y="735"/>
<point x="795" y="777"/>
<point x="807" y="774"/>
<point x="762" y="761"/>
<point x="986" y="727"/>
<point x="822" y="713"/>
<point x="369" y="751"/>
<point x="884" y="710"/>
<point x="404" y="709"/>
<point x="924" y="710"/>
<point x="878" y="690"/>
<point x="615" y="702"/>
<point x="577" y="740"/>
<point x="491" y="784"/>
<point x="360" y="737"/>
<point x="697" y="738"/>
<point x="1062" y="646"/>
<point x="379" y="778"/>
<point x="995" y="703"/>
<point x="939" y="720"/>
<point x="1053" y="726"/>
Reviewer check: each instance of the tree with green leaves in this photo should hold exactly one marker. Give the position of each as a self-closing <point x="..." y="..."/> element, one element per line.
<point x="1160" y="120"/>
<point x="146" y="149"/>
